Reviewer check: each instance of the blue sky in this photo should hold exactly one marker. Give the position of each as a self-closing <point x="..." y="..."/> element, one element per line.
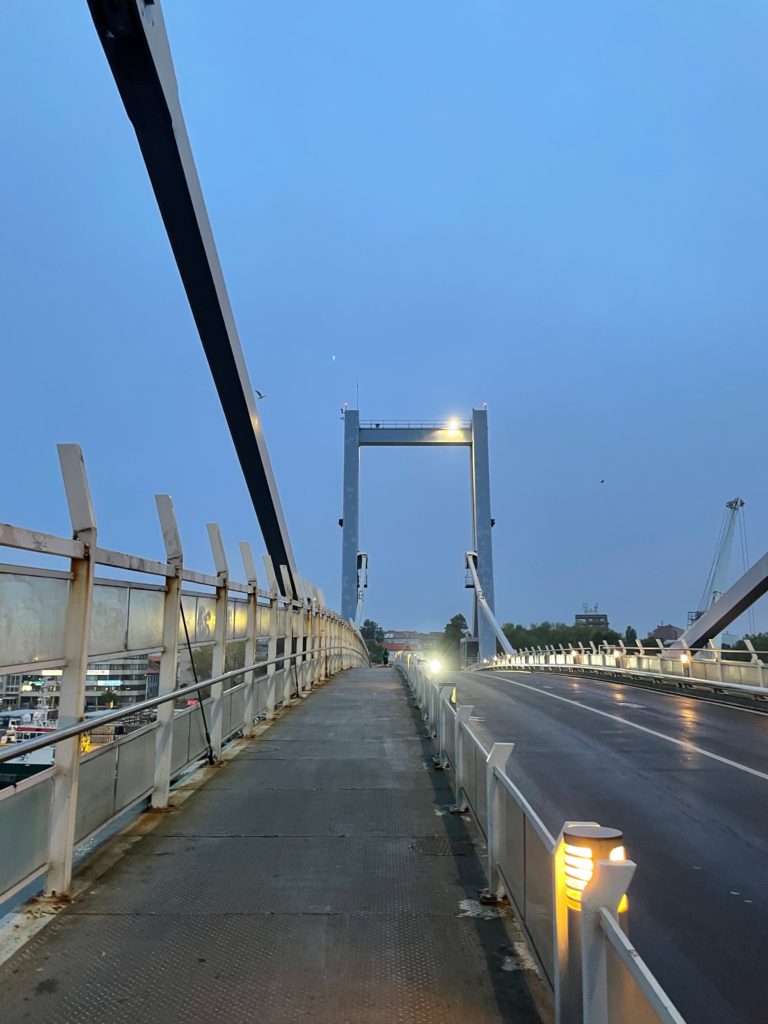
<point x="558" y="209"/>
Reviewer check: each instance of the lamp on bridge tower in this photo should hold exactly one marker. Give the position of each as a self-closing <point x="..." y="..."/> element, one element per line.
<point x="472" y="434"/>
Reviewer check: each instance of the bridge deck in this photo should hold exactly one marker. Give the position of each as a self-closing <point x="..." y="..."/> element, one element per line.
<point x="313" y="877"/>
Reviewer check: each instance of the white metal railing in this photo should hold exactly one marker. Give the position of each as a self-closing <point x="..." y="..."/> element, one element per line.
<point x="64" y="619"/>
<point x="708" y="669"/>
<point x="579" y="937"/>
<point x="449" y="424"/>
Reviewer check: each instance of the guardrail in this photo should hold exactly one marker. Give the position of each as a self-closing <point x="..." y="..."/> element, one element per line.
<point x="569" y="892"/>
<point x="449" y="424"/>
<point x="126" y="772"/>
<point x="55" y="619"/>
<point x="682" y="669"/>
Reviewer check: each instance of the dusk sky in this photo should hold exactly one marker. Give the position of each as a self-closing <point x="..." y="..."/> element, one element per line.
<point x="557" y="209"/>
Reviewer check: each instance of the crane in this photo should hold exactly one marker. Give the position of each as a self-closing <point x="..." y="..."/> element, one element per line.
<point x="717" y="578"/>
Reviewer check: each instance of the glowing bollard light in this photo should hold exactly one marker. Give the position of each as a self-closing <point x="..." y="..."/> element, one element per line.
<point x="580" y="849"/>
<point x="583" y="845"/>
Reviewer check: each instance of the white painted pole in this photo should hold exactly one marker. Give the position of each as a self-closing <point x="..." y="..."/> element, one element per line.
<point x="66" y="769"/>
<point x="169" y="660"/>
<point x="220" y="636"/>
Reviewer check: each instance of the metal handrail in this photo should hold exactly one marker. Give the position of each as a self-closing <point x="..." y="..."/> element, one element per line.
<point x="409" y="424"/>
<point x="533" y="818"/>
<point x="17" y="749"/>
<point x="659" y="1001"/>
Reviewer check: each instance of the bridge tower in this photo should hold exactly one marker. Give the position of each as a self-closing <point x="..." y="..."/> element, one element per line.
<point x="472" y="434"/>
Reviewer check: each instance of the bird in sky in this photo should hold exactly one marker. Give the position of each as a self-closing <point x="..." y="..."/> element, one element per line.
<point x="259" y="394"/>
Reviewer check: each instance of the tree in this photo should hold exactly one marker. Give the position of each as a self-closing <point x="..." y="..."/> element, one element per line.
<point x="373" y="635"/>
<point x="739" y="650"/>
<point x="630" y="636"/>
<point x="452" y="635"/>
<point x="542" y="634"/>
<point x="371" y="630"/>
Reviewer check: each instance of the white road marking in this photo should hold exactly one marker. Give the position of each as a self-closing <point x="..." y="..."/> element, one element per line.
<point x="665" y="693"/>
<point x="685" y="744"/>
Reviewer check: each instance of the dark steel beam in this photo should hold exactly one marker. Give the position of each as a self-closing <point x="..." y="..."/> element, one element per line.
<point x="135" y="42"/>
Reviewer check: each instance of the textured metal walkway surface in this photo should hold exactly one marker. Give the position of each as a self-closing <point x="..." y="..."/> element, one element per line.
<point x="315" y="877"/>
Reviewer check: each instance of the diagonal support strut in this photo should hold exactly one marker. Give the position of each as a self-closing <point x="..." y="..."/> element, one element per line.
<point x="135" y="42"/>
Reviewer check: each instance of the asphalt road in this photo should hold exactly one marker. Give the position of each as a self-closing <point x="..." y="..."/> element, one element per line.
<point x="687" y="782"/>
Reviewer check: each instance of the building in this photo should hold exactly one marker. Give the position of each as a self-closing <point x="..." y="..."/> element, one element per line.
<point x="396" y="648"/>
<point x="666" y="633"/>
<point x="129" y="679"/>
<point x="411" y="640"/>
<point x="10" y="691"/>
<point x="591" y="617"/>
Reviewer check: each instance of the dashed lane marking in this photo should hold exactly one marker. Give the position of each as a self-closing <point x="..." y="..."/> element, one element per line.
<point x="685" y="744"/>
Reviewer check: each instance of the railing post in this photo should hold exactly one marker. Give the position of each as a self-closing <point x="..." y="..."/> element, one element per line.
<point x="301" y="669"/>
<point x="310" y="635"/>
<point x="218" y="661"/>
<point x="317" y="631"/>
<point x="320" y="632"/>
<point x="298" y="620"/>
<point x="463" y="713"/>
<point x="274" y="615"/>
<point x="328" y="641"/>
<point x="426" y="686"/>
<point x="756" y="661"/>
<point x="443" y="697"/>
<point x="314" y="605"/>
<point x="319" y="627"/>
<point x="169" y="660"/>
<point x="606" y="889"/>
<point x="289" y="663"/>
<point x="497" y="758"/>
<point x="72" y="692"/>
<point x="249" y="708"/>
<point x="659" y="654"/>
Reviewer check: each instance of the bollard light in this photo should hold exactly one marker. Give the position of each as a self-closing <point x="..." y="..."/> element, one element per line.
<point x="435" y="665"/>
<point x="583" y="845"/>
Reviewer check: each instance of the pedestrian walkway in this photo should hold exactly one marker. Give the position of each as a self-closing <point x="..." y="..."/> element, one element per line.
<point x="317" y="876"/>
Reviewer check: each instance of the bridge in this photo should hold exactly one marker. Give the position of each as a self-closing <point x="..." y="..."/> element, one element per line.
<point x="291" y="834"/>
